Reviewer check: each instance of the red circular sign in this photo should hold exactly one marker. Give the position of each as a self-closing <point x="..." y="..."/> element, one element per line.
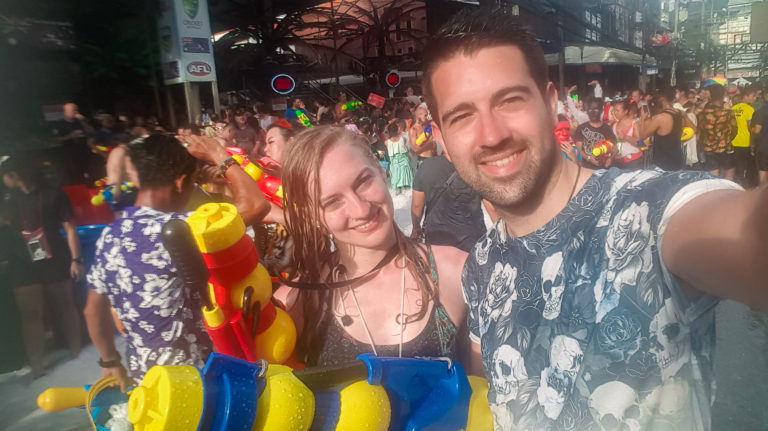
<point x="393" y="79"/>
<point x="283" y="84"/>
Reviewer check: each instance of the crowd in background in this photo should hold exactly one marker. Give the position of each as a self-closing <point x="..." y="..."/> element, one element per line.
<point x="714" y="128"/>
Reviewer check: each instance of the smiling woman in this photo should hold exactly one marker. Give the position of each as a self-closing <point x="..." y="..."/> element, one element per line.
<point x="363" y="286"/>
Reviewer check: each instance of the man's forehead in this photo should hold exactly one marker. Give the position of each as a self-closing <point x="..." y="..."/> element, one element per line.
<point x="503" y="66"/>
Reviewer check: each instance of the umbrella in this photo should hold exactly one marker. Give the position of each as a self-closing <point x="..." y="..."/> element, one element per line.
<point x="741" y="82"/>
<point x="719" y="80"/>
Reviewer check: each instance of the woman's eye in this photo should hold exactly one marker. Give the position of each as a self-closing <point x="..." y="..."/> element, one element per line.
<point x="332" y="204"/>
<point x="365" y="180"/>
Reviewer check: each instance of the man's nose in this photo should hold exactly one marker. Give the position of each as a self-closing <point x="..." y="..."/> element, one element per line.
<point x="492" y="131"/>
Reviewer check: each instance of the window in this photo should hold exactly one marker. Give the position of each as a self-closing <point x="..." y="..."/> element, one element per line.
<point x="397" y="31"/>
<point x="594" y="23"/>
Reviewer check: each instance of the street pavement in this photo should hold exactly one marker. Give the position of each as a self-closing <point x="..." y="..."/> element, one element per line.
<point x="741" y="368"/>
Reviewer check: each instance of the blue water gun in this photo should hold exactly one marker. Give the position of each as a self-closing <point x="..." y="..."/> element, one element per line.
<point x="370" y="393"/>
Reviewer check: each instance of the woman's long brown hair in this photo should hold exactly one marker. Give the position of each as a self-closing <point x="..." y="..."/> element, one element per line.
<point x="313" y="259"/>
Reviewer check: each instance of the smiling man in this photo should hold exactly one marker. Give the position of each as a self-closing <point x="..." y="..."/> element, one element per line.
<point x="591" y="301"/>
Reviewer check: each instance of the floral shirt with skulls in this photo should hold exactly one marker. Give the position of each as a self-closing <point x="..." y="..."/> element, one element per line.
<point x="581" y="326"/>
<point x="163" y="321"/>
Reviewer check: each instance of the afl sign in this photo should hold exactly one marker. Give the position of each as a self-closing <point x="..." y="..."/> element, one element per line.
<point x="199" y="68"/>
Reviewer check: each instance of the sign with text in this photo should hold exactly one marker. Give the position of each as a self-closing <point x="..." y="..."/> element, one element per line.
<point x="184" y="30"/>
<point x="279" y="104"/>
<point x="376" y="100"/>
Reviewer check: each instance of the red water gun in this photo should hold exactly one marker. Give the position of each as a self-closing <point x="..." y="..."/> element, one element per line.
<point x="216" y="258"/>
<point x="271" y="186"/>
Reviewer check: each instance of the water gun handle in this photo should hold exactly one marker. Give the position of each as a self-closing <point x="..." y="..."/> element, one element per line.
<point x="62" y="397"/>
<point x="178" y="240"/>
<point x="230" y="336"/>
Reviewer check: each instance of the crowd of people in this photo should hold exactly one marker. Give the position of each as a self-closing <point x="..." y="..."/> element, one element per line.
<point x="713" y="128"/>
<point x="599" y="274"/>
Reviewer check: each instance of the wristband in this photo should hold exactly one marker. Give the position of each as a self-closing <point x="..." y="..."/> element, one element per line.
<point x="225" y="164"/>
<point x="114" y="363"/>
<point x="77" y="260"/>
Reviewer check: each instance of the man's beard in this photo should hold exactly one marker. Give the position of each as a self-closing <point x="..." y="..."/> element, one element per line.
<point x="527" y="184"/>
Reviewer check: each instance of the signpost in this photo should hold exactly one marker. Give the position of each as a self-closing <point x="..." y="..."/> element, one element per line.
<point x="186" y="53"/>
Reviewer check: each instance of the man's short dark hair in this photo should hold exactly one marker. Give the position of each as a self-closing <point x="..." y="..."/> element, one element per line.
<point x="472" y="30"/>
<point x="160" y="160"/>
<point x="668" y="93"/>
<point x="750" y="89"/>
<point x="716" y="92"/>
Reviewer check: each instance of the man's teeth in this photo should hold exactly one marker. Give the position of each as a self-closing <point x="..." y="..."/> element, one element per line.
<point x="503" y="161"/>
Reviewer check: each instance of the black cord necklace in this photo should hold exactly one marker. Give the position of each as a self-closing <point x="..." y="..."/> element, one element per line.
<point x="391" y="254"/>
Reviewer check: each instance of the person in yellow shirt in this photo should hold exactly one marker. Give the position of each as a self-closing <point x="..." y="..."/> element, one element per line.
<point x="742" y="142"/>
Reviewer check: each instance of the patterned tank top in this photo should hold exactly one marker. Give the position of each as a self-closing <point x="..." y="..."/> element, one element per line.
<point x="438" y="338"/>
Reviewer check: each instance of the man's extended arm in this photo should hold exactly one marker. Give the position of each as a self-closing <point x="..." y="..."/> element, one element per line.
<point x="248" y="198"/>
<point x="417" y="211"/>
<point x="717" y="244"/>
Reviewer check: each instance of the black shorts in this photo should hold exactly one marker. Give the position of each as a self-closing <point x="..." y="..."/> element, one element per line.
<point x="713" y="161"/>
<point x="762" y="161"/>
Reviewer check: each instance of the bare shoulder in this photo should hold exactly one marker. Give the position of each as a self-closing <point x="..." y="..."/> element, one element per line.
<point x="449" y="257"/>
<point x="290" y="298"/>
<point x="292" y="303"/>
<point x="450" y="263"/>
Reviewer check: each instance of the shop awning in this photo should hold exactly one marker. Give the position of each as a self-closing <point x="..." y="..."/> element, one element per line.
<point x="575" y="55"/>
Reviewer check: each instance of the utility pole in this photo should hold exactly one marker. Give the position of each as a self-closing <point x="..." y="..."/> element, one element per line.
<point x="727" y="35"/>
<point x="561" y="53"/>
<point x="673" y="74"/>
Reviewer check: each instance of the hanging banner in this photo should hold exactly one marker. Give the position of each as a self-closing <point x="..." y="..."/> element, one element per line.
<point x="184" y="30"/>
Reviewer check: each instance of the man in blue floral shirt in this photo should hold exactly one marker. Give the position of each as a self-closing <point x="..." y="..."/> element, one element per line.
<point x="591" y="300"/>
<point x="133" y="272"/>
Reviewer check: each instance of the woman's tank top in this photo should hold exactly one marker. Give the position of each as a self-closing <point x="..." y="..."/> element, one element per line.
<point x="438" y="338"/>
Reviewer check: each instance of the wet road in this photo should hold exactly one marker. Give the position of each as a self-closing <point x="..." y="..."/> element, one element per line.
<point x="741" y="369"/>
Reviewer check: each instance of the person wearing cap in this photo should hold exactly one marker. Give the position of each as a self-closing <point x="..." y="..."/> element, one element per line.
<point x="716" y="128"/>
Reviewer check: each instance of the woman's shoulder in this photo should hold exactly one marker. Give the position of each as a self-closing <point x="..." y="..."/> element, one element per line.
<point x="450" y="263"/>
<point x="287" y="296"/>
<point x="449" y="255"/>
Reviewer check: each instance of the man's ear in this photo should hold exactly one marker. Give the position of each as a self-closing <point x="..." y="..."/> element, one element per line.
<point x="438" y="135"/>
<point x="179" y="182"/>
<point x="550" y="98"/>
